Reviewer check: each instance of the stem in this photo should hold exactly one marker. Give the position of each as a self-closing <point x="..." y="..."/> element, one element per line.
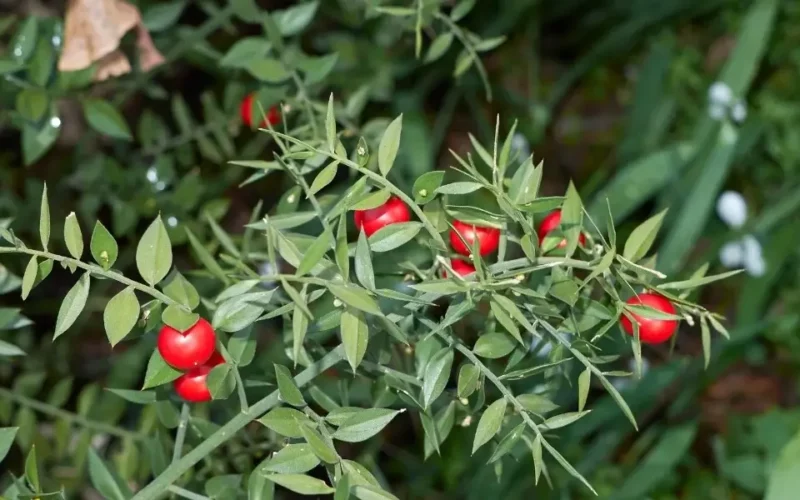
<point x="302" y="95"/>
<point x="69" y="416"/>
<point x="180" y="436"/>
<point x="227" y="431"/>
<point x="469" y="48"/>
<point x="236" y="375"/>
<point x="149" y="290"/>
<point x="181" y="492"/>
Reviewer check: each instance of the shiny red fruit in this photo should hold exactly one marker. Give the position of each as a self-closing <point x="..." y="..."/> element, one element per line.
<point x="391" y="212"/>
<point x="246" y="110"/>
<point x="189" y="349"/>
<point x="461" y="267"/>
<point x="550" y="223"/>
<point x="651" y="331"/>
<point x="192" y="385"/>
<point x="488" y="238"/>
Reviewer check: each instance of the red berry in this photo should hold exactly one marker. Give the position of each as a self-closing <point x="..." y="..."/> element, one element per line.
<point x="192" y="386"/>
<point x="189" y="349"/>
<point x="488" y="238"/>
<point x="246" y="110"/>
<point x="391" y="212"/>
<point x="461" y="267"/>
<point x="550" y="223"/>
<point x="651" y="331"/>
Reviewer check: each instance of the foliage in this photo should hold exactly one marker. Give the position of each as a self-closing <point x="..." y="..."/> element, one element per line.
<point x="337" y="343"/>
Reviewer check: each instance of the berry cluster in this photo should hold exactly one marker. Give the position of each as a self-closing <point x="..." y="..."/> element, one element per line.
<point x="194" y="353"/>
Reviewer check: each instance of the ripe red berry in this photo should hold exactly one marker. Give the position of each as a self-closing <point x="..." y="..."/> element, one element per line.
<point x="461" y="267"/>
<point x="246" y="110"/>
<point x="550" y="223"/>
<point x="651" y="331"/>
<point x="189" y="349"/>
<point x="391" y="212"/>
<point x="192" y="385"/>
<point x="488" y="238"/>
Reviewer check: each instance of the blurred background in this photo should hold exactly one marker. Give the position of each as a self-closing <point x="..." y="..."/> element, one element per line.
<point x="686" y="104"/>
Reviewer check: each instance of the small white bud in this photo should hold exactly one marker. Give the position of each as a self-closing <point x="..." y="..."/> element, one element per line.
<point x="290" y="199"/>
<point x="732" y="208"/>
<point x="720" y="93"/>
<point x="467" y="421"/>
<point x="337" y="303"/>
<point x="520" y="144"/>
<point x="753" y="258"/>
<point x="717" y="111"/>
<point x="731" y="254"/>
<point x="739" y="112"/>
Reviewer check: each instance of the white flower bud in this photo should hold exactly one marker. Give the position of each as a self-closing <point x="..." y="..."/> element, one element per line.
<point x="732" y="208"/>
<point x="739" y="112"/>
<point x="720" y="93"/>
<point x="717" y="111"/>
<point x="731" y="254"/>
<point x="753" y="258"/>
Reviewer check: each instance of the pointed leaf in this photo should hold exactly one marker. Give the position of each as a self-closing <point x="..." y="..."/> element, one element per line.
<point x="291" y="459"/>
<point x="355" y="336"/>
<point x="641" y="239"/>
<point x="489" y="424"/>
<point x="105" y="481"/>
<point x="393" y="236"/>
<point x="390" y="143"/>
<point x="355" y="296"/>
<point x="437" y="372"/>
<point x="73" y="236"/>
<point x="158" y="371"/>
<point x="286" y="421"/>
<point x="364" y="424"/>
<point x="287" y="388"/>
<point x="301" y="484"/>
<point x="44" y="219"/>
<point x="154" y="253"/>
<point x="72" y="305"/>
<point x="29" y="278"/>
<point x="120" y="316"/>
<point x="319" y="445"/>
<point x="103" y="246"/>
<point x="364" y="272"/>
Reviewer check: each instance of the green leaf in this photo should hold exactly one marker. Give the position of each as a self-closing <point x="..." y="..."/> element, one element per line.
<point x="120" y="315"/>
<point x="355" y="336"/>
<point x="72" y="305"/>
<point x="180" y="290"/>
<point x="390" y="143"/>
<point x="494" y="345"/>
<point x="571" y="218"/>
<point x="462" y="187"/>
<point x="105" y="481"/>
<point x="330" y="126"/>
<point x="221" y="381"/>
<point x="641" y="239"/>
<point x="524" y="186"/>
<point x="364" y="272"/>
<point x="241" y="311"/>
<point x="163" y="15"/>
<point x="536" y="404"/>
<point x="24" y="40"/>
<point x="426" y="185"/>
<point x="323" y="178"/>
<point x="393" y="236"/>
<point x="508" y="442"/>
<point x="294" y="458"/>
<point x="355" y="296"/>
<point x="468" y="377"/>
<point x="286" y="421"/>
<point x="154" y="253"/>
<point x="342" y="488"/>
<point x="314" y="253"/>
<point x="103" y="117"/>
<point x="436" y="375"/>
<point x="489" y="424"/>
<point x="44" y="219"/>
<point x="7" y="349"/>
<point x="32" y="104"/>
<point x="179" y="319"/>
<point x="7" y="435"/>
<point x="321" y="448"/>
<point x="697" y="282"/>
<point x="205" y="256"/>
<point x="32" y="471"/>
<point x="370" y="200"/>
<point x="504" y="318"/>
<point x="138" y="397"/>
<point x="564" y="419"/>
<point x="29" y="278"/>
<point x="301" y="484"/>
<point x="259" y="488"/>
<point x="268" y="70"/>
<point x="439" y="47"/>
<point x="299" y="328"/>
<point x="584" y="383"/>
<point x="364" y="424"/>
<point x="73" y="236"/>
<point x="103" y="246"/>
<point x="158" y="371"/>
<point x="287" y="388"/>
<point x="295" y="19"/>
<point x="37" y="140"/>
<point x="243" y="51"/>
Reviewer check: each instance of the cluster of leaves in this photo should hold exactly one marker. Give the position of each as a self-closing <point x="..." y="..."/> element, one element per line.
<point x="570" y="302"/>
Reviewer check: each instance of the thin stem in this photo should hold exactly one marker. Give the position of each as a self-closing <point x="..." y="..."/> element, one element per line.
<point x="69" y="416"/>
<point x="153" y="292"/>
<point x="227" y="431"/>
<point x="470" y="49"/>
<point x="302" y="95"/>
<point x="181" y="492"/>
<point x="369" y="365"/>
<point x="180" y="436"/>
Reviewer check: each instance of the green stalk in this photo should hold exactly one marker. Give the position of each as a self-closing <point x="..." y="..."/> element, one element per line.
<point x="227" y="431"/>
